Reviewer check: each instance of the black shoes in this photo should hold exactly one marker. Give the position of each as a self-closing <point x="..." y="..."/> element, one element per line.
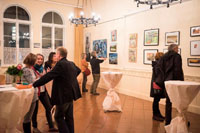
<point x="96" y="93"/>
<point x="85" y="90"/>
<point x="158" y="117"/>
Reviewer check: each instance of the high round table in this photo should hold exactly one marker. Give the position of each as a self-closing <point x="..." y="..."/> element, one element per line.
<point x="112" y="100"/>
<point x="181" y="94"/>
<point x="14" y="104"/>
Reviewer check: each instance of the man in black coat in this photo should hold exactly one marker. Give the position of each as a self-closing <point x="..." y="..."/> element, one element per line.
<point x="172" y="66"/>
<point x="65" y="89"/>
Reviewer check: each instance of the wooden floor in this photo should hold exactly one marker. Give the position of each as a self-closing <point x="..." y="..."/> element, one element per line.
<point x="135" y="118"/>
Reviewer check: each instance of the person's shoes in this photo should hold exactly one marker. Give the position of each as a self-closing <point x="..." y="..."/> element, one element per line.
<point x="85" y="90"/>
<point x="158" y="118"/>
<point x="96" y="93"/>
<point x="161" y="116"/>
<point x="36" y="130"/>
<point x="53" y="130"/>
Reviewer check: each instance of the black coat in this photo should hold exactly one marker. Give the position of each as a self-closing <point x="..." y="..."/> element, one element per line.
<point x="65" y="85"/>
<point x="172" y="64"/>
<point x="162" y="95"/>
<point x="95" y="64"/>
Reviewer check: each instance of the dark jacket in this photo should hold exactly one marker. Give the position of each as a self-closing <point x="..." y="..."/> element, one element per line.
<point x="172" y="65"/>
<point x="95" y="63"/>
<point x="65" y="85"/>
<point x="162" y="95"/>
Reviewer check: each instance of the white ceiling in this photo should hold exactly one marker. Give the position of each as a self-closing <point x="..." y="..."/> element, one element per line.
<point x="67" y="2"/>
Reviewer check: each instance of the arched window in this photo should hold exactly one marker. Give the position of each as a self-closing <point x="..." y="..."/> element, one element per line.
<point x="52" y="32"/>
<point x="16" y="25"/>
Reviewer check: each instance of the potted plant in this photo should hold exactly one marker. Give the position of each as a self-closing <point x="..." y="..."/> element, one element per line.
<point x="15" y="71"/>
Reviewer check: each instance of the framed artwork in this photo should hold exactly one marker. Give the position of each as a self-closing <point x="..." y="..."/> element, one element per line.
<point x="193" y="62"/>
<point x="114" y="35"/>
<point x="151" y="37"/>
<point x="166" y="50"/>
<point x="100" y="46"/>
<point x="132" y="55"/>
<point x="87" y="42"/>
<point x="36" y="45"/>
<point x="113" y="47"/>
<point x="195" y="48"/>
<point x="133" y="40"/>
<point x="195" y="31"/>
<point x="172" y="38"/>
<point x="113" y="58"/>
<point x="149" y="56"/>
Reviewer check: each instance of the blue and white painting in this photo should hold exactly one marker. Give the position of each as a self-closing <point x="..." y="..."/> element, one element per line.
<point x="113" y="58"/>
<point x="100" y="46"/>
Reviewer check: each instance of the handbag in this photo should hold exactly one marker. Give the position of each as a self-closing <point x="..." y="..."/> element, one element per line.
<point x="157" y="90"/>
<point x="87" y="72"/>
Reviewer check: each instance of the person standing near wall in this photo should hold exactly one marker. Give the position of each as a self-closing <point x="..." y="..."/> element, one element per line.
<point x="95" y="64"/>
<point x="65" y="90"/>
<point x="84" y="66"/>
<point x="156" y="96"/>
<point x="172" y="66"/>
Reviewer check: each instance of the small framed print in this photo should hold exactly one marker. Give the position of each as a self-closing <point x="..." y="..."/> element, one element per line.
<point x="195" y="48"/>
<point x="195" y="31"/>
<point x="172" y="38"/>
<point x="149" y="56"/>
<point x="193" y="62"/>
<point x="166" y="50"/>
<point x="151" y="37"/>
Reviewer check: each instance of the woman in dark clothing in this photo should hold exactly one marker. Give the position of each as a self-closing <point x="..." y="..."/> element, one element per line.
<point x="51" y="61"/>
<point x="43" y="97"/>
<point x="156" y="112"/>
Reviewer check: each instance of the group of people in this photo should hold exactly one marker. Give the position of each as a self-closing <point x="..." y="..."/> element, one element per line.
<point x="65" y="89"/>
<point x="166" y="67"/>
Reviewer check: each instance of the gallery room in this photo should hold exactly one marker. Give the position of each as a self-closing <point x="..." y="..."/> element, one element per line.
<point x="100" y="66"/>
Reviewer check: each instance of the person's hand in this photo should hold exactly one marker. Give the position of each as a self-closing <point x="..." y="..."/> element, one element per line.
<point x="48" y="69"/>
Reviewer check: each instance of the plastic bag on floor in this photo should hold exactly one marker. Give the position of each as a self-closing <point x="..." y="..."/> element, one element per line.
<point x="112" y="101"/>
<point x="177" y="125"/>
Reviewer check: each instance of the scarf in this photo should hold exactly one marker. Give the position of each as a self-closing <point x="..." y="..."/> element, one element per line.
<point x="39" y="68"/>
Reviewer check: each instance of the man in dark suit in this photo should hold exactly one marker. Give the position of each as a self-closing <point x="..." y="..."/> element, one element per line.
<point x="172" y="67"/>
<point x="65" y="89"/>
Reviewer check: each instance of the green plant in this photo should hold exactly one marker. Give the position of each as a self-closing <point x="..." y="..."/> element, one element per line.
<point x="15" y="70"/>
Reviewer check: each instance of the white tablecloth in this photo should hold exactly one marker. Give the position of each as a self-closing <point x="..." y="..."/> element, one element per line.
<point x="112" y="100"/>
<point x="181" y="94"/>
<point x="14" y="104"/>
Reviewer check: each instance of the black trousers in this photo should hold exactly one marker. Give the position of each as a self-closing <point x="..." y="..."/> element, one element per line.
<point x="156" y="110"/>
<point x="64" y="117"/>
<point x="84" y="82"/>
<point x="168" y="110"/>
<point x="45" y="100"/>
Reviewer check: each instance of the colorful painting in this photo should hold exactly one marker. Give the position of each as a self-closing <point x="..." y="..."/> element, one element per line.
<point x="113" y="58"/>
<point x="133" y="55"/>
<point x="114" y="35"/>
<point x="87" y="43"/>
<point x="133" y="40"/>
<point x="113" y="47"/>
<point x="151" y="37"/>
<point x="194" y="62"/>
<point x="195" y="31"/>
<point x="149" y="55"/>
<point x="100" y="46"/>
<point x="195" y="48"/>
<point x="172" y="38"/>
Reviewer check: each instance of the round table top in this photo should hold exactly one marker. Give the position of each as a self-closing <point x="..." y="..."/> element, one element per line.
<point x="181" y="83"/>
<point x="111" y="72"/>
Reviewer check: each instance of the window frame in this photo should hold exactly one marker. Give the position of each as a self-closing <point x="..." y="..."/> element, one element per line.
<point x="17" y="22"/>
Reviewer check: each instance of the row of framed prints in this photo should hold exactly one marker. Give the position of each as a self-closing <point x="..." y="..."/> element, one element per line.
<point x="149" y="56"/>
<point x="151" y="36"/>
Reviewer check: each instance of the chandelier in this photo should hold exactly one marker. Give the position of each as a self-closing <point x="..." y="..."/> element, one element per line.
<point x="155" y="2"/>
<point x="84" y="20"/>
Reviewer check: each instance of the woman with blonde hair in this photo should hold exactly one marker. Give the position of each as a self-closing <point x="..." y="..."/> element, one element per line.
<point x="157" y="96"/>
<point x="84" y="66"/>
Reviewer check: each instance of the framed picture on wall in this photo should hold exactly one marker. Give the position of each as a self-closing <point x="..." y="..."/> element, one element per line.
<point x="193" y="62"/>
<point x="100" y="46"/>
<point x="195" y="31"/>
<point x="113" y="58"/>
<point x="195" y="48"/>
<point x="166" y="50"/>
<point x="113" y="47"/>
<point x="149" y="56"/>
<point x="151" y="37"/>
<point x="114" y="35"/>
<point x="172" y="38"/>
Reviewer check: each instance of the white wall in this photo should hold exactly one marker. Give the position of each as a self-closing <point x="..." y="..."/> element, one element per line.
<point x="137" y="76"/>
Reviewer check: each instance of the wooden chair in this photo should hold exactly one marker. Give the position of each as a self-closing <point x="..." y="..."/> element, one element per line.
<point x="2" y="79"/>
